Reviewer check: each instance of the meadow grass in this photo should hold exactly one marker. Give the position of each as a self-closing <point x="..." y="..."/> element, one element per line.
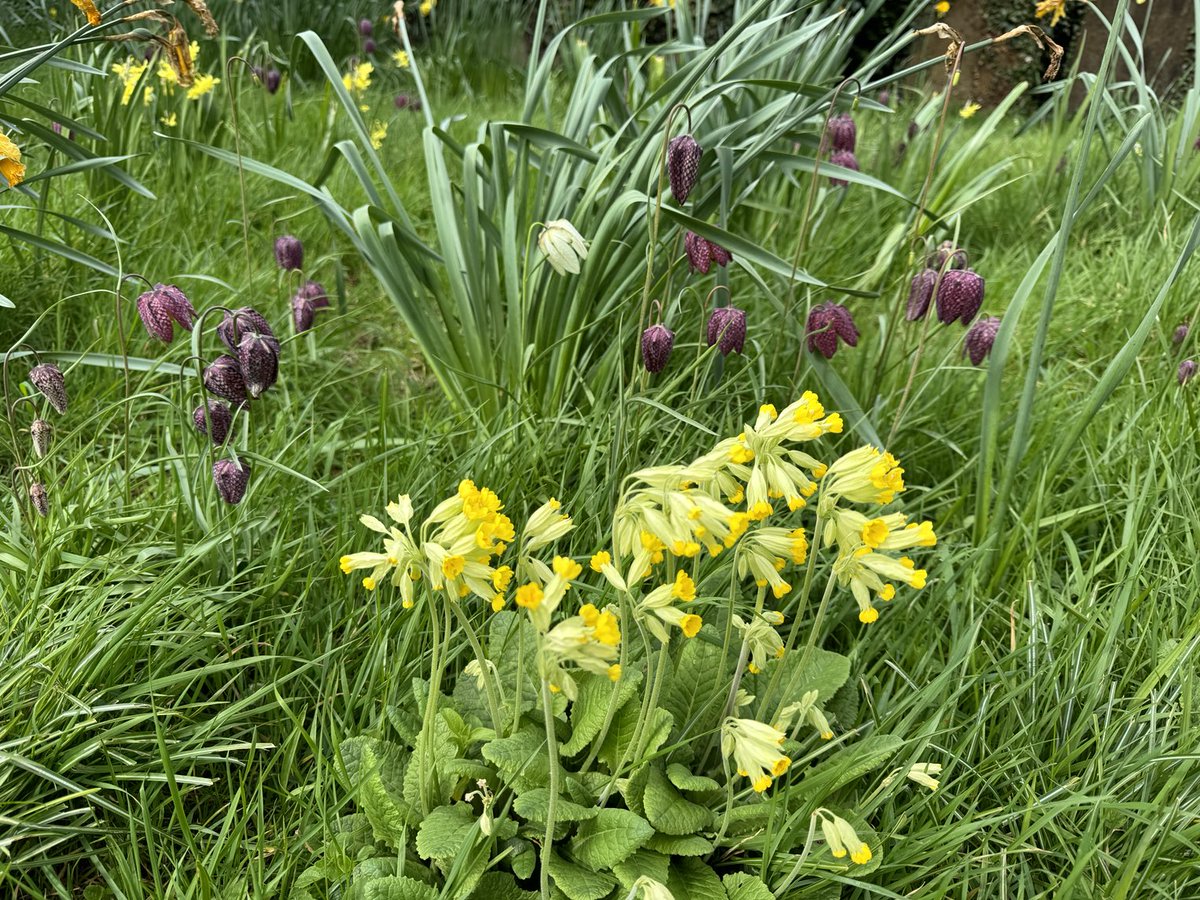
<point x="177" y="674"/>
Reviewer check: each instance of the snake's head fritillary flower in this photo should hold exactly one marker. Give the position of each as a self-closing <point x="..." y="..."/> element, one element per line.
<point x="271" y="79"/>
<point x="161" y="307"/>
<point x="683" y="165"/>
<point x="702" y="253"/>
<point x="49" y="381"/>
<point x="39" y="498"/>
<point x="366" y="27"/>
<point x="980" y="337"/>
<point x="657" y="341"/>
<point x="563" y="246"/>
<point x="289" y="252"/>
<point x="827" y="323"/>
<point x="303" y="314"/>
<point x="945" y="253"/>
<point x="369" y="47"/>
<point x="240" y="322"/>
<point x="40" y="432"/>
<point x="258" y="357"/>
<point x="223" y="377"/>
<point x="847" y="160"/>
<point x="1181" y="333"/>
<point x="219" y="416"/>
<point x="959" y="296"/>
<point x="919" y="294"/>
<point x="842" y="132"/>
<point x="1187" y="371"/>
<point x="231" y="478"/>
<point x="727" y="329"/>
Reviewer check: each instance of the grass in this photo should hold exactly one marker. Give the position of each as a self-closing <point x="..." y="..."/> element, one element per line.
<point x="177" y="674"/>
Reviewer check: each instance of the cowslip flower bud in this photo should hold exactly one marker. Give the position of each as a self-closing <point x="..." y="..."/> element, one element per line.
<point x="959" y="296"/>
<point x="161" y="307"/>
<point x="49" y="381"/>
<point x="842" y="132"/>
<point x="271" y="80"/>
<point x="683" y="165"/>
<point x="240" y="322"/>
<point x="39" y="498"/>
<point x="945" y="253"/>
<point x="657" y="341"/>
<point x="223" y="377"/>
<point x="258" y="357"/>
<point x="563" y="246"/>
<point x="727" y="329"/>
<point x="220" y="418"/>
<point x="1187" y="371"/>
<point x="1181" y="333"/>
<point x="826" y="324"/>
<point x="919" y="294"/>
<point x="231" y="478"/>
<point x="40" y="432"/>
<point x="702" y="253"/>
<point x="846" y="160"/>
<point x="289" y="252"/>
<point x="980" y="337"/>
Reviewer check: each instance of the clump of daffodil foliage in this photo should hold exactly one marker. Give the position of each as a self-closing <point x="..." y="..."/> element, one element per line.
<point x="637" y="722"/>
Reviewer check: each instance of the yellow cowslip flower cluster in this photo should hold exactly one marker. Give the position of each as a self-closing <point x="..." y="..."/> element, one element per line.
<point x="842" y="838"/>
<point x="203" y="84"/>
<point x="426" y="7"/>
<point x="400" y="58"/>
<point x="358" y="81"/>
<point x="130" y="73"/>
<point x="587" y="641"/>
<point x="806" y="708"/>
<point x="761" y="638"/>
<point x="754" y="747"/>
<point x="379" y="132"/>
<point x="767" y="551"/>
<point x="658" y="610"/>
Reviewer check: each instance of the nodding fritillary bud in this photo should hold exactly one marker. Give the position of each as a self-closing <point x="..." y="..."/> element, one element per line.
<point x="826" y="324"/>
<point x="846" y="160"/>
<point x="657" y="341"/>
<point x="39" y="498"/>
<point x="231" y="479"/>
<point x="980" y="337"/>
<point x="1181" y="333"/>
<point x="303" y="313"/>
<point x="919" y="294"/>
<point x="366" y="28"/>
<point x="842" y="132"/>
<point x="959" y="296"/>
<point x="683" y="165"/>
<point x="40" y="432"/>
<point x="945" y="253"/>
<point x="314" y="292"/>
<point x="219" y="416"/>
<point x="241" y="322"/>
<point x="368" y="46"/>
<point x="161" y="307"/>
<point x="271" y="80"/>
<point x="259" y="358"/>
<point x="48" y="379"/>
<point x="1187" y="371"/>
<point x="702" y="253"/>
<point x="223" y="377"/>
<point x="289" y="252"/>
<point x="727" y="329"/>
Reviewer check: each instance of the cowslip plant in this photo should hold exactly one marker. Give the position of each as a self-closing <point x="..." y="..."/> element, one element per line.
<point x="629" y="721"/>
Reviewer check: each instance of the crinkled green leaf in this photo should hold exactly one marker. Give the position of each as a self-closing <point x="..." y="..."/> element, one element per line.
<point x="824" y="672"/>
<point x="397" y="887"/>
<point x="500" y="886"/>
<point x="445" y="833"/>
<point x="612" y="836"/>
<point x="848" y="764"/>
<point x="693" y="880"/>
<point x="533" y="805"/>
<point x="577" y="882"/>
<point x="683" y="779"/>
<point x="520" y="758"/>
<point x="668" y="810"/>
<point x="590" y="709"/>
<point x="680" y="845"/>
<point x="642" y="863"/>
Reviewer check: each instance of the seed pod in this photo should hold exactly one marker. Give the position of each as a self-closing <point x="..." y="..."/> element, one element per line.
<point x="1181" y="333"/>
<point x="657" y="341"/>
<point x="223" y="377"/>
<point x="289" y="252"/>
<point x="219" y="415"/>
<point x="842" y="132"/>
<point x="48" y="379"/>
<point x="40" y="432"/>
<point x="39" y="498"/>
<point x="920" y="293"/>
<point x="271" y="80"/>
<point x="727" y="329"/>
<point x="231" y="478"/>
<point x="366" y="28"/>
<point x="959" y="296"/>
<point x="683" y="165"/>
<point x="846" y="160"/>
<point x="979" y="340"/>
<point x="947" y="252"/>
<point x="1187" y="371"/>
<point x="259" y="359"/>
<point x="826" y="324"/>
<point x="242" y="321"/>
<point x="161" y="307"/>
